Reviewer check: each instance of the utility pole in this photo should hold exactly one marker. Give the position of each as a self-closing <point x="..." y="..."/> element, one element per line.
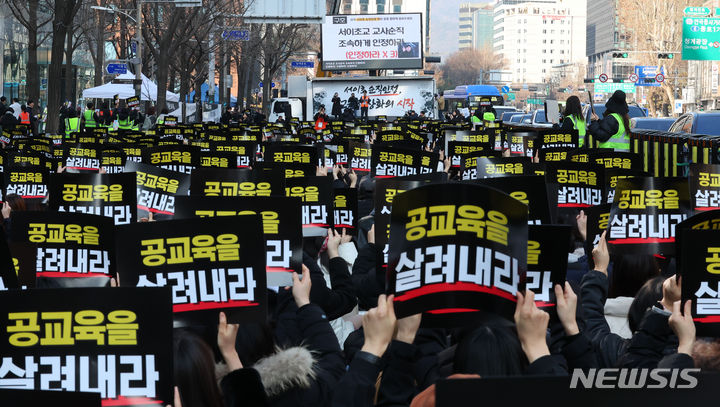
<point x="138" y="56"/>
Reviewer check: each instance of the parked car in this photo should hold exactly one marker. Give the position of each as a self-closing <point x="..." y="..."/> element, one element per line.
<point x="707" y="123"/>
<point x="517" y="118"/>
<point x="651" y="123"/>
<point x="501" y="110"/>
<point x="540" y="120"/>
<point x="508" y="115"/>
<point x="635" y="111"/>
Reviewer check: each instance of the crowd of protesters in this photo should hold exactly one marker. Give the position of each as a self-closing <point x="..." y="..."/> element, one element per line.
<point x="332" y="338"/>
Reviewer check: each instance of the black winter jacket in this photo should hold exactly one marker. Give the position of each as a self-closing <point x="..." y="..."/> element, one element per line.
<point x="603" y="130"/>
<point x="281" y="387"/>
<point x="593" y="294"/>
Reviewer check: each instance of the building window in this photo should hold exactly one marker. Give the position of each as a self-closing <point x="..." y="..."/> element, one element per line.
<point x="544" y="41"/>
<point x="544" y="31"/>
<point x="544" y="61"/>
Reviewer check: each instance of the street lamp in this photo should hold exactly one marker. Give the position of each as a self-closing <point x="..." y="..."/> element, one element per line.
<point x="138" y="40"/>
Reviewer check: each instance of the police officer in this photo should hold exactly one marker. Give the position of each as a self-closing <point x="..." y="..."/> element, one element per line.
<point x="124" y="120"/>
<point x="88" y="118"/>
<point x="612" y="130"/>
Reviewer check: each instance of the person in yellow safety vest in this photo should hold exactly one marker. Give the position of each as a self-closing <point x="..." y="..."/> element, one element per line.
<point x="161" y="118"/>
<point x="613" y="130"/>
<point x="488" y="114"/>
<point x="72" y="123"/>
<point x="364" y="105"/>
<point x="573" y="119"/>
<point x="123" y="118"/>
<point x="476" y="118"/>
<point x="88" y="118"/>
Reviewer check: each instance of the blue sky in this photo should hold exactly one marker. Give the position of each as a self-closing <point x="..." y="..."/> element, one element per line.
<point x="444" y="25"/>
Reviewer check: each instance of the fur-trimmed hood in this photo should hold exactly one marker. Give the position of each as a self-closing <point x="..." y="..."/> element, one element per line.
<point x="282" y="371"/>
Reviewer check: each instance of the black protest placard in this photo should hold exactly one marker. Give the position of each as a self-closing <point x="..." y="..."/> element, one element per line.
<point x="245" y="151"/>
<point x="598" y="220"/>
<point x="547" y="262"/>
<point x="27" y="158"/>
<point x="157" y="188"/>
<point x="616" y="159"/>
<point x="521" y="144"/>
<point x="281" y="227"/>
<point x="554" y="154"/>
<point x="394" y="162"/>
<point x="335" y="154"/>
<point x="468" y="164"/>
<point x="8" y="275"/>
<point x="82" y="157"/>
<point x="112" y="160"/>
<point x="704" y="181"/>
<point x="577" y="185"/>
<point x="212" y="265"/>
<point x="359" y="156"/>
<point x="700" y="271"/>
<point x="316" y="195"/>
<point x="111" y="341"/>
<point x="29" y="182"/>
<point x="528" y="189"/>
<point x="16" y="397"/>
<point x="236" y="182"/>
<point x="283" y="153"/>
<point x="132" y="101"/>
<point x="457" y="251"/>
<point x="645" y="213"/>
<point x="460" y="150"/>
<point x="612" y="175"/>
<point x="385" y="192"/>
<point x="556" y="138"/>
<point x="215" y="159"/>
<point x="178" y="158"/>
<point x="77" y="249"/>
<point x="705" y="220"/>
<point x="490" y="167"/>
<point x="111" y="195"/>
<point x="345" y="210"/>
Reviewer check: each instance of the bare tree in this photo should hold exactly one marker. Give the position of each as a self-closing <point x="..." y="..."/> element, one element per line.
<point x="26" y="13"/>
<point x="658" y="28"/>
<point x="64" y="14"/>
<point x="279" y="43"/>
<point x="465" y="66"/>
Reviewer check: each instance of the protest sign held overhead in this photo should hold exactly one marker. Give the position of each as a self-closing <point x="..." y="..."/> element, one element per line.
<point x="210" y="265"/>
<point x="456" y="252"/>
<point x="111" y="341"/>
<point x="645" y="213"/>
<point x="111" y="195"/>
<point x="281" y="228"/>
<point x="157" y="188"/>
<point x="72" y="249"/>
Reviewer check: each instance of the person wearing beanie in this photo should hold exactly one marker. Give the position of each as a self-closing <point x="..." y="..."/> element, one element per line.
<point x="613" y="130"/>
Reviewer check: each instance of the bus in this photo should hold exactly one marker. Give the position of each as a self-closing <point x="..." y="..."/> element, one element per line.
<point x="467" y="98"/>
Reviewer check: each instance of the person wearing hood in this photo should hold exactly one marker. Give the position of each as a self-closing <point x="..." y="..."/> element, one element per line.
<point x="613" y="130"/>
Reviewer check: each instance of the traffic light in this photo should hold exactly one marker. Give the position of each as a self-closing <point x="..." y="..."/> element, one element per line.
<point x="666" y="56"/>
<point x="620" y="54"/>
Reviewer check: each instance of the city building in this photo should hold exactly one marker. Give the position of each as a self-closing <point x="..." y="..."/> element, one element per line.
<point x="465" y="24"/>
<point x="604" y="36"/>
<point x="535" y="36"/>
<point x="391" y="6"/>
<point x="482" y="28"/>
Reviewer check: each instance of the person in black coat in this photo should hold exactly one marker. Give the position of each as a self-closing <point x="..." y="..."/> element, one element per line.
<point x="603" y="130"/>
<point x="353" y="103"/>
<point x="304" y="375"/>
<point x="8" y="120"/>
<point x="336" y="106"/>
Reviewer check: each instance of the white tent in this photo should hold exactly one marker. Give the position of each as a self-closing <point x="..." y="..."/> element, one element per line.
<point x="109" y="90"/>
